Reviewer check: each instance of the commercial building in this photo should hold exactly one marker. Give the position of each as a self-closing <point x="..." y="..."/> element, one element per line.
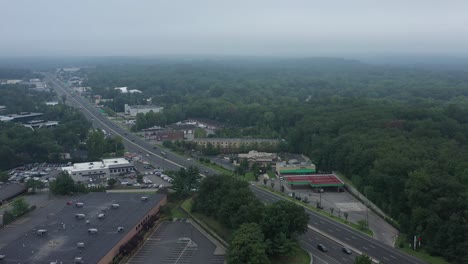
<point x="228" y="145"/>
<point x="126" y="90"/>
<point x="315" y="181"/>
<point x="294" y="168"/>
<point x="160" y="134"/>
<point x="262" y="158"/>
<point x="141" y="109"/>
<point x="93" y="228"/>
<point x="21" y="117"/>
<point x="99" y="170"/>
<point x="36" y="124"/>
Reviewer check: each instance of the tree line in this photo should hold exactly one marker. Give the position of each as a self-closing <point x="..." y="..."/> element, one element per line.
<point x="261" y="231"/>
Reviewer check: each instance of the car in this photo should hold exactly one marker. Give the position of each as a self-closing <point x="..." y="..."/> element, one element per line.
<point x="322" y="248"/>
<point x="346" y="250"/>
<point x="125" y="133"/>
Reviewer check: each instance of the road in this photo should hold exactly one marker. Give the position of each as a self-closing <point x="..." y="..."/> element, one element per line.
<point x="133" y="143"/>
<point x="340" y="233"/>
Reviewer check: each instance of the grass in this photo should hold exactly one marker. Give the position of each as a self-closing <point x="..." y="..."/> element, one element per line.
<point x="299" y="256"/>
<point x="322" y="212"/>
<point x="217" y="168"/>
<point x="249" y="176"/>
<point x="419" y="254"/>
<point x="271" y="174"/>
<point x="177" y="212"/>
<point x="213" y="224"/>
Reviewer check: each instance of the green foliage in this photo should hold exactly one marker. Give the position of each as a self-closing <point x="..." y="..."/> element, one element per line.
<point x="363" y="259"/>
<point x="64" y="185"/>
<point x="4" y="176"/>
<point x="248" y="246"/>
<point x="34" y="185"/>
<point x="231" y="202"/>
<point x="8" y="217"/>
<point x="111" y="182"/>
<point x="99" y="145"/>
<point x="20" y="207"/>
<point x="186" y="181"/>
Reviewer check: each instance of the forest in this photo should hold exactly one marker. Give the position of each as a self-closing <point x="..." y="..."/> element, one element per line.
<point x="20" y="145"/>
<point x="399" y="133"/>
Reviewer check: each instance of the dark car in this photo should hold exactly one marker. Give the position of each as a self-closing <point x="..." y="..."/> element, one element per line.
<point x="322" y="248"/>
<point x="346" y="250"/>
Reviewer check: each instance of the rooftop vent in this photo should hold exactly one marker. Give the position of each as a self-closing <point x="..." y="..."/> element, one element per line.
<point x="78" y="260"/>
<point x="120" y="229"/>
<point x="88" y="222"/>
<point x="80" y="245"/>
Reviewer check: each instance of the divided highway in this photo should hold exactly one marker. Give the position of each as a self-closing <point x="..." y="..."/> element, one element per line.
<point x="332" y="234"/>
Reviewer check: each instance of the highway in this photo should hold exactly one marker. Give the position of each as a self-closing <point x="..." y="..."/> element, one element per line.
<point x="342" y="234"/>
<point x="132" y="143"/>
<point x="320" y="227"/>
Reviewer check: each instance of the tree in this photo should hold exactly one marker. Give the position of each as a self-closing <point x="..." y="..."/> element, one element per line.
<point x="139" y="178"/>
<point x="3" y="176"/>
<point x="96" y="144"/>
<point x="331" y="210"/>
<point x="63" y="185"/>
<point x="284" y="221"/>
<point x="111" y="182"/>
<point x="247" y="246"/>
<point x="20" y="207"/>
<point x="345" y="214"/>
<point x="363" y="259"/>
<point x="185" y="181"/>
<point x="34" y="184"/>
<point x="362" y="224"/>
<point x="8" y="217"/>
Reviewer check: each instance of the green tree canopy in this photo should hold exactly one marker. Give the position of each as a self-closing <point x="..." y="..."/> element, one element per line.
<point x="248" y="246"/>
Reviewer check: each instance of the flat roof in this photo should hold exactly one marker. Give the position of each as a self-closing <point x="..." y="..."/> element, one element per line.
<point x="10" y="190"/>
<point x="298" y="171"/>
<point x="317" y="180"/>
<point x="235" y="140"/>
<point x="115" y="161"/>
<point x="64" y="230"/>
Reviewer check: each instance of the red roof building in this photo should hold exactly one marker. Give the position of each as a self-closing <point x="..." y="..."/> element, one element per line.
<point x="315" y="180"/>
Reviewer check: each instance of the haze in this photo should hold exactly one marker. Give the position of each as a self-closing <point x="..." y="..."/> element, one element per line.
<point x="242" y="27"/>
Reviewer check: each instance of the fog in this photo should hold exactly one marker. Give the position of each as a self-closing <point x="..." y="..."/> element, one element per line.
<point x="241" y="27"/>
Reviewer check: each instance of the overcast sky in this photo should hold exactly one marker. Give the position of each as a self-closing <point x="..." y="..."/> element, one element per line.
<point x="235" y="27"/>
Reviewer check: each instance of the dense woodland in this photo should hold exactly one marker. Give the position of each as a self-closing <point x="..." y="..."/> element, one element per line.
<point x="400" y="134"/>
<point x="261" y="231"/>
<point x="20" y="145"/>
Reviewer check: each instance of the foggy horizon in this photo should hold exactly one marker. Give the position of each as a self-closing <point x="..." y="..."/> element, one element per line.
<point x="242" y="28"/>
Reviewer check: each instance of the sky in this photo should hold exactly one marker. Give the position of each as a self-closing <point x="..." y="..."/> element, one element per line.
<point x="234" y="28"/>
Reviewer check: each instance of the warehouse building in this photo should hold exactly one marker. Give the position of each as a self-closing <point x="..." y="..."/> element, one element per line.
<point x="94" y="228"/>
<point x="141" y="109"/>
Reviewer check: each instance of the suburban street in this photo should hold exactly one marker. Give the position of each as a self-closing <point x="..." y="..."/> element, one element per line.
<point x="330" y="233"/>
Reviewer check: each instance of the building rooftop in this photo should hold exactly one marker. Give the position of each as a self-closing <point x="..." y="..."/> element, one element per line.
<point x="10" y="190"/>
<point x="64" y="230"/>
<point x="144" y="107"/>
<point x="317" y="180"/>
<point x="115" y="161"/>
<point x="236" y="140"/>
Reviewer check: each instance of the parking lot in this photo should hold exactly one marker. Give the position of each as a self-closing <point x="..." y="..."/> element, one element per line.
<point x="178" y="242"/>
<point x="152" y="177"/>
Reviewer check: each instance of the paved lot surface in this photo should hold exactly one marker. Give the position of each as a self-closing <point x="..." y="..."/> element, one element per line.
<point x="177" y="242"/>
<point x="342" y="202"/>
